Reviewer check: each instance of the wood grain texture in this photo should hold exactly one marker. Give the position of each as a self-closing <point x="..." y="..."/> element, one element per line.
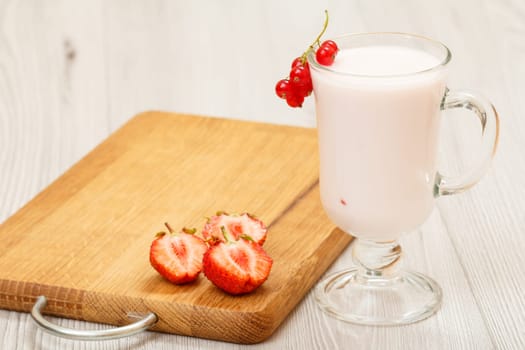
<point x="72" y="72"/>
<point x="84" y="241"/>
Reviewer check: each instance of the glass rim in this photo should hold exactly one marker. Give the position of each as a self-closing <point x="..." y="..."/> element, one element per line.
<point x="448" y="55"/>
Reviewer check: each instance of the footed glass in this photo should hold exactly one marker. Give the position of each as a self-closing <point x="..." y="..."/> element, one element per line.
<point x="378" y="113"/>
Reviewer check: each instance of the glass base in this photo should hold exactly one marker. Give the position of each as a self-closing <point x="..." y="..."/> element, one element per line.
<point x="377" y="301"/>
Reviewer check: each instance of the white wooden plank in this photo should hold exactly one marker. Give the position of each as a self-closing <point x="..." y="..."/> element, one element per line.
<point x="223" y="58"/>
<point x="53" y="101"/>
<point x="486" y="224"/>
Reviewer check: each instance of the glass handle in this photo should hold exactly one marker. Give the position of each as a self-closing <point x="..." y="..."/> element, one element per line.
<point x="489" y="120"/>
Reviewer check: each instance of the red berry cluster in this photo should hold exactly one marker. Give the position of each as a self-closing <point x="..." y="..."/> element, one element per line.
<point x="298" y="86"/>
<point x="299" y="83"/>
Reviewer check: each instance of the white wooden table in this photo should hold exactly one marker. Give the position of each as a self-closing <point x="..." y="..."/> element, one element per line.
<point x="71" y="72"/>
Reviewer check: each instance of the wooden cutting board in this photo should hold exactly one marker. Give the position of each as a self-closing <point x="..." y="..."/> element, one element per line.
<point x="84" y="241"/>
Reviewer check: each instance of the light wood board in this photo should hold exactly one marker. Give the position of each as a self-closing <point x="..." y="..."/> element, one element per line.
<point x="84" y="241"/>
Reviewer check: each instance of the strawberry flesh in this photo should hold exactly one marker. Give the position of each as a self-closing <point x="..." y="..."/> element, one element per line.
<point x="178" y="258"/>
<point x="236" y="226"/>
<point x="237" y="267"/>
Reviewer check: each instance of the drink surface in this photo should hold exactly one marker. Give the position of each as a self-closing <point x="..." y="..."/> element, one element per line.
<point x="383" y="60"/>
<point x="378" y="138"/>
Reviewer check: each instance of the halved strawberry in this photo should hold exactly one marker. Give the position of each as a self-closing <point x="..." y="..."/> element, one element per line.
<point x="236" y="226"/>
<point x="177" y="256"/>
<point x="237" y="267"/>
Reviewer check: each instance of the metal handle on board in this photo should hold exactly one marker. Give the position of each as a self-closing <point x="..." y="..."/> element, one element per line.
<point x="141" y="325"/>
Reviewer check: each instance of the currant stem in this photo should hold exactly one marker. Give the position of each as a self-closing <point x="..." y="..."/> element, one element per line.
<point x="317" y="40"/>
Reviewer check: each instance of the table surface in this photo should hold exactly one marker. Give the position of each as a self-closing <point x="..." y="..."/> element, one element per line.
<point x="73" y="72"/>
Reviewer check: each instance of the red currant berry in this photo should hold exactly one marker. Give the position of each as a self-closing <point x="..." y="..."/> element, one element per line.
<point x="304" y="90"/>
<point x="283" y="88"/>
<point x="295" y="100"/>
<point x="325" y="55"/>
<point x="300" y="75"/>
<point x="303" y="87"/>
<point x="297" y="62"/>
<point x="307" y="67"/>
<point x="310" y="87"/>
<point x="330" y="43"/>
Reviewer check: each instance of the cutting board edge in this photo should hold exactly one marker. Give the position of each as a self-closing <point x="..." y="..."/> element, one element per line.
<point x="152" y="113"/>
<point x="22" y="295"/>
<point x="257" y="324"/>
<point x="86" y="306"/>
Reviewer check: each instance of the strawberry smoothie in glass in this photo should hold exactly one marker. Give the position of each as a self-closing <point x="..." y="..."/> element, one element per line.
<point x="378" y="112"/>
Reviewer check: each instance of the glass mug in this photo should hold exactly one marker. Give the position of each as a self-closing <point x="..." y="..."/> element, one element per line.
<point x="378" y="126"/>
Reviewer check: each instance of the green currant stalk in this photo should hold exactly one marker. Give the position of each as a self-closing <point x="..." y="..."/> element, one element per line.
<point x="317" y="40"/>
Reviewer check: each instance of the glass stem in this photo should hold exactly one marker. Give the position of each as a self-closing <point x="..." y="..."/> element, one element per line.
<point x="377" y="260"/>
